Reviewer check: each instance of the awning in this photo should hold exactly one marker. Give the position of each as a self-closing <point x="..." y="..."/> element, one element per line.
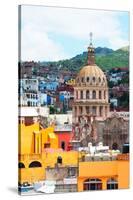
<point x="51" y="135"/>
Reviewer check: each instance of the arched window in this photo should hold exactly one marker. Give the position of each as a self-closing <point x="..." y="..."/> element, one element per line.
<point x="94" y="110"/>
<point x="87" y="109"/>
<point x="63" y="145"/>
<point x="112" y="184"/>
<point x="92" y="184"/>
<point x="87" y="94"/>
<point x="100" y="95"/>
<point x="80" y="110"/>
<point x="81" y="94"/>
<point x="21" y="165"/>
<point x="82" y="79"/>
<point x="59" y="160"/>
<point x="93" y="78"/>
<point x="94" y="94"/>
<point x="88" y="79"/>
<point x="75" y="111"/>
<point x="99" y="80"/>
<point x="35" y="164"/>
<point x="100" y="111"/>
<point x="104" y="94"/>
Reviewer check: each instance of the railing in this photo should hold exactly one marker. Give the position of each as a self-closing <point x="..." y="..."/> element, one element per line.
<point x="123" y="157"/>
<point x="97" y="158"/>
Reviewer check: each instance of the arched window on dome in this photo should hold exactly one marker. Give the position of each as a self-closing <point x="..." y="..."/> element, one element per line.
<point x="88" y="79"/>
<point x="94" y="94"/>
<point x="100" y="95"/>
<point x="94" y="79"/>
<point x="87" y="94"/>
<point x="99" y="80"/>
<point x="82" y="79"/>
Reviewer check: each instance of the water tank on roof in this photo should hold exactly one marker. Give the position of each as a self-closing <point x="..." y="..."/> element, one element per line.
<point x="125" y="148"/>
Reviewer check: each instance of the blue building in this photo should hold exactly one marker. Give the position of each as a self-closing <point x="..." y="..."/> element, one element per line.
<point x="49" y="86"/>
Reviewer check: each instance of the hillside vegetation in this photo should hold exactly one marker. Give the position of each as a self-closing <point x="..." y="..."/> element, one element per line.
<point x="105" y="58"/>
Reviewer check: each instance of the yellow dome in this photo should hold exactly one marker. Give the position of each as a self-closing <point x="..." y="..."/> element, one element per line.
<point x="91" y="74"/>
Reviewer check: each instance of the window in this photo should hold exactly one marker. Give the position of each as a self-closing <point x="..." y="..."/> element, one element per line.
<point x="82" y="79"/>
<point x="94" y="110"/>
<point x="21" y="165"/>
<point x="71" y="171"/>
<point x="100" y="95"/>
<point x="87" y="109"/>
<point x="112" y="184"/>
<point x="94" y="94"/>
<point x="75" y="110"/>
<point x="93" y="79"/>
<point x="76" y="94"/>
<point x="100" y="111"/>
<point x="80" y="110"/>
<point x="46" y="145"/>
<point x="88" y="79"/>
<point x="59" y="160"/>
<point x="99" y="79"/>
<point x="81" y="94"/>
<point x="104" y="94"/>
<point x="28" y="103"/>
<point x="87" y="94"/>
<point x="63" y="145"/>
<point x="35" y="164"/>
<point x="92" y="184"/>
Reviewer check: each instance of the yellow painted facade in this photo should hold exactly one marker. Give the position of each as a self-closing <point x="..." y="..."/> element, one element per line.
<point x="32" y="138"/>
<point x="31" y="150"/>
<point x="104" y="170"/>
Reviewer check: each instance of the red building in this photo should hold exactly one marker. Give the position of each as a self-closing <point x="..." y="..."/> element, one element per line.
<point x="64" y="133"/>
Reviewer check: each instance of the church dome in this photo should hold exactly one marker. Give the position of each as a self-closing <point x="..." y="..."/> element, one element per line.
<point x="91" y="75"/>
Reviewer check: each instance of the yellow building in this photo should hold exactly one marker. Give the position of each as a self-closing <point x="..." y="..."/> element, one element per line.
<point x="33" y="139"/>
<point x="35" y="156"/>
<point x="39" y="149"/>
<point x="102" y="175"/>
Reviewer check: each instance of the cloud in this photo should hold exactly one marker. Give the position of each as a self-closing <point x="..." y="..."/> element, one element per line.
<point x="39" y="22"/>
<point x="36" y="45"/>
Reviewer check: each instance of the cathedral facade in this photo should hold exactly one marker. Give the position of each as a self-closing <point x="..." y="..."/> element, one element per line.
<point x="91" y="108"/>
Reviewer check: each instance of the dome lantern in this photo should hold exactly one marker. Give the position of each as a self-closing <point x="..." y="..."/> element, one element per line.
<point x="91" y="52"/>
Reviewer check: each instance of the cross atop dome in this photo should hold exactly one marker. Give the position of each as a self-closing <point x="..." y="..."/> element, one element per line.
<point x="91" y="52"/>
<point x="91" y="34"/>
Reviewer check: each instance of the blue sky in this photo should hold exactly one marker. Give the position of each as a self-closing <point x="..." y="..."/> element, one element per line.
<point x="49" y="34"/>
